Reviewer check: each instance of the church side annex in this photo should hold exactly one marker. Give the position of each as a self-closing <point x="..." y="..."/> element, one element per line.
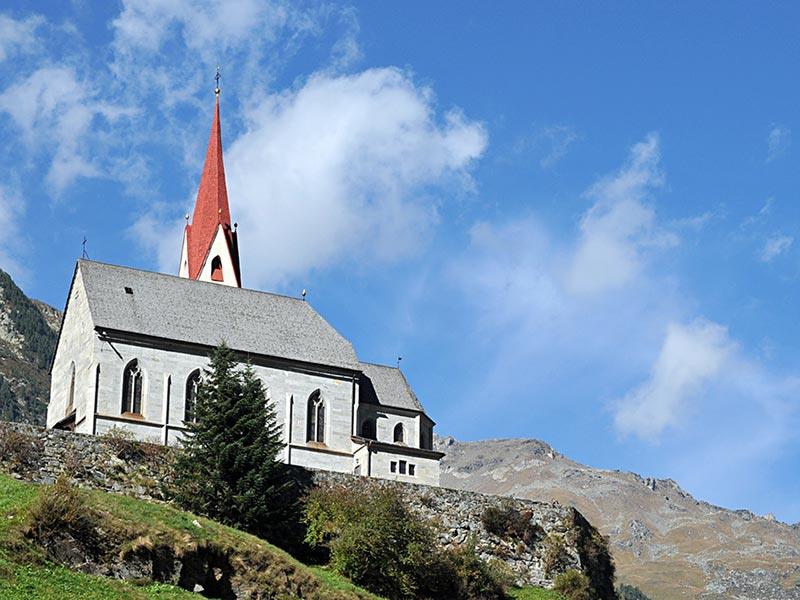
<point x="133" y="345"/>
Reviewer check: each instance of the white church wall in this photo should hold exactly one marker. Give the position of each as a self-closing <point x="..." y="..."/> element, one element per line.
<point x="426" y="470"/>
<point x="75" y="345"/>
<point x="387" y="419"/>
<point x="159" y="364"/>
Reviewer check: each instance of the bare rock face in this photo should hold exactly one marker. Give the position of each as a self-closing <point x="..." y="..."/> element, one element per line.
<point x="28" y="333"/>
<point x="664" y="541"/>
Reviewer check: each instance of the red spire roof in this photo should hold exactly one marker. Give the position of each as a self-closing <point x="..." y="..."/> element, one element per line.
<point x="211" y="207"/>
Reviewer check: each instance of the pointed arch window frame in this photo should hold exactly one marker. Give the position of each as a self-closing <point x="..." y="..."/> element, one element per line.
<point x="190" y="396"/>
<point x="133" y="388"/>
<point x="71" y="391"/>
<point x="315" y="418"/>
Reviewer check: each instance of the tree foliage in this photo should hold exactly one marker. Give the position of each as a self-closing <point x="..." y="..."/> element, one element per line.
<point x="228" y="469"/>
<point x="574" y="585"/>
<point x="377" y="542"/>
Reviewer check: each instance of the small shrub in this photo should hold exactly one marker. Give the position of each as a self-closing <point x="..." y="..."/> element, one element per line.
<point x="573" y="585"/>
<point x="61" y="510"/>
<point x="508" y="523"/>
<point x="377" y="542"/>
<point x="19" y="451"/>
<point x="123" y="444"/>
<point x="556" y="558"/>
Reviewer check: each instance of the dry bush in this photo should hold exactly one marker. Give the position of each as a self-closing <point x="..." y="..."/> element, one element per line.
<point x="508" y="523"/>
<point x="19" y="451"/>
<point x="556" y="558"/>
<point x="59" y="511"/>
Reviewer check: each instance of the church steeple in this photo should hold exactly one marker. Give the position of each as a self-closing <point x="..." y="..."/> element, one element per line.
<point x="210" y="246"/>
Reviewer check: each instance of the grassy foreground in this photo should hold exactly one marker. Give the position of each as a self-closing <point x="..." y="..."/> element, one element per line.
<point x="25" y="572"/>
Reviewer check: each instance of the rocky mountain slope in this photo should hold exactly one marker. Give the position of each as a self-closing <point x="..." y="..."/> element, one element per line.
<point x="664" y="541"/>
<point x="28" y="333"/>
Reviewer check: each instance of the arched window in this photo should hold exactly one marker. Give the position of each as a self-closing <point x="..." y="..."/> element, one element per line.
<point x="71" y="398"/>
<point x="316" y="418"/>
<point x="399" y="434"/>
<point x="368" y="429"/>
<point x="216" y="269"/>
<point x="190" y="405"/>
<point x="132" y="383"/>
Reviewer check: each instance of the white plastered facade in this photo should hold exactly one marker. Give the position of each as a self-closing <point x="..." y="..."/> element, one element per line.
<point x="100" y="358"/>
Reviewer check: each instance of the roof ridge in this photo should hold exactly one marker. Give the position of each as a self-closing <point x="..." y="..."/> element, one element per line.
<point x="374" y="364"/>
<point x="159" y="273"/>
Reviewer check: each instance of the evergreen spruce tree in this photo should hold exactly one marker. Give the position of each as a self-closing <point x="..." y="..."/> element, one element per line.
<point x="228" y="468"/>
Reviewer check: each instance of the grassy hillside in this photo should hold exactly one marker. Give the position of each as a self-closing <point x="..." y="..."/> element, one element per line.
<point x="132" y="526"/>
<point x="26" y="572"/>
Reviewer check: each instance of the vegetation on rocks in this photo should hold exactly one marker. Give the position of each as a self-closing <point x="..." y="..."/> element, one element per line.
<point x="507" y="522"/>
<point x="376" y="541"/>
<point x="574" y="585"/>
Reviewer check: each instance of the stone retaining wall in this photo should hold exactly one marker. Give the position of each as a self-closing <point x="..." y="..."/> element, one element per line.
<point x="143" y="470"/>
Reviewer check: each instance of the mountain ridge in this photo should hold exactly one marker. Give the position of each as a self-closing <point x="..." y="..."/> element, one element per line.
<point x="664" y="541"/>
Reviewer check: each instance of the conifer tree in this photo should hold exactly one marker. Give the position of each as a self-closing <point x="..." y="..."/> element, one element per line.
<point x="228" y="468"/>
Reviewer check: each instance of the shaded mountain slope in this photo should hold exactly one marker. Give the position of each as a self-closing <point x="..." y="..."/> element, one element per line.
<point x="28" y="334"/>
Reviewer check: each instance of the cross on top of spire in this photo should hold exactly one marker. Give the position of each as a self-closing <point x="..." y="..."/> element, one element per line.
<point x="216" y="78"/>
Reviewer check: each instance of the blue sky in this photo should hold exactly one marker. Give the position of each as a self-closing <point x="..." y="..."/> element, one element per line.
<point x="576" y="223"/>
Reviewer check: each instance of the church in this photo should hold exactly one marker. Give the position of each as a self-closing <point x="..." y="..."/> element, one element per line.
<point x="133" y="345"/>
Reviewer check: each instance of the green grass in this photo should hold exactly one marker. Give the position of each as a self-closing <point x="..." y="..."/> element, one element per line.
<point x="534" y="593"/>
<point x="25" y="574"/>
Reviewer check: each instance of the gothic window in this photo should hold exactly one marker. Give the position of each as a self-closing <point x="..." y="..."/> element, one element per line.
<point x="71" y="398"/>
<point x="216" y="269"/>
<point x="368" y="429"/>
<point x="132" y="384"/>
<point x="190" y="406"/>
<point x="316" y="418"/>
<point x="398" y="434"/>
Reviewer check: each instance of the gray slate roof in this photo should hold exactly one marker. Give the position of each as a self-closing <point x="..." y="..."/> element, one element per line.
<point x="181" y="309"/>
<point x="387" y="386"/>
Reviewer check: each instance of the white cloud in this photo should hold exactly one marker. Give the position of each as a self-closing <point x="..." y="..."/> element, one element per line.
<point x="776" y="246"/>
<point x="344" y="168"/>
<point x="57" y="114"/>
<point x="778" y="141"/>
<point x="17" y="35"/>
<point x="690" y="356"/>
<point x="558" y="138"/>
<point x="620" y="227"/>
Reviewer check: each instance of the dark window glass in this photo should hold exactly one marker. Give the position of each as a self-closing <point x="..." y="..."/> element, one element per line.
<point x="132" y="384"/>
<point x="316" y="418"/>
<point x="402" y="467"/>
<point x="190" y="406"/>
<point x="399" y="434"/>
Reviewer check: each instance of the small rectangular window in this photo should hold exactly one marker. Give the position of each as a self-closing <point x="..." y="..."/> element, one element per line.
<point x="402" y="467"/>
<point x="393" y="466"/>
<point x="412" y="470"/>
